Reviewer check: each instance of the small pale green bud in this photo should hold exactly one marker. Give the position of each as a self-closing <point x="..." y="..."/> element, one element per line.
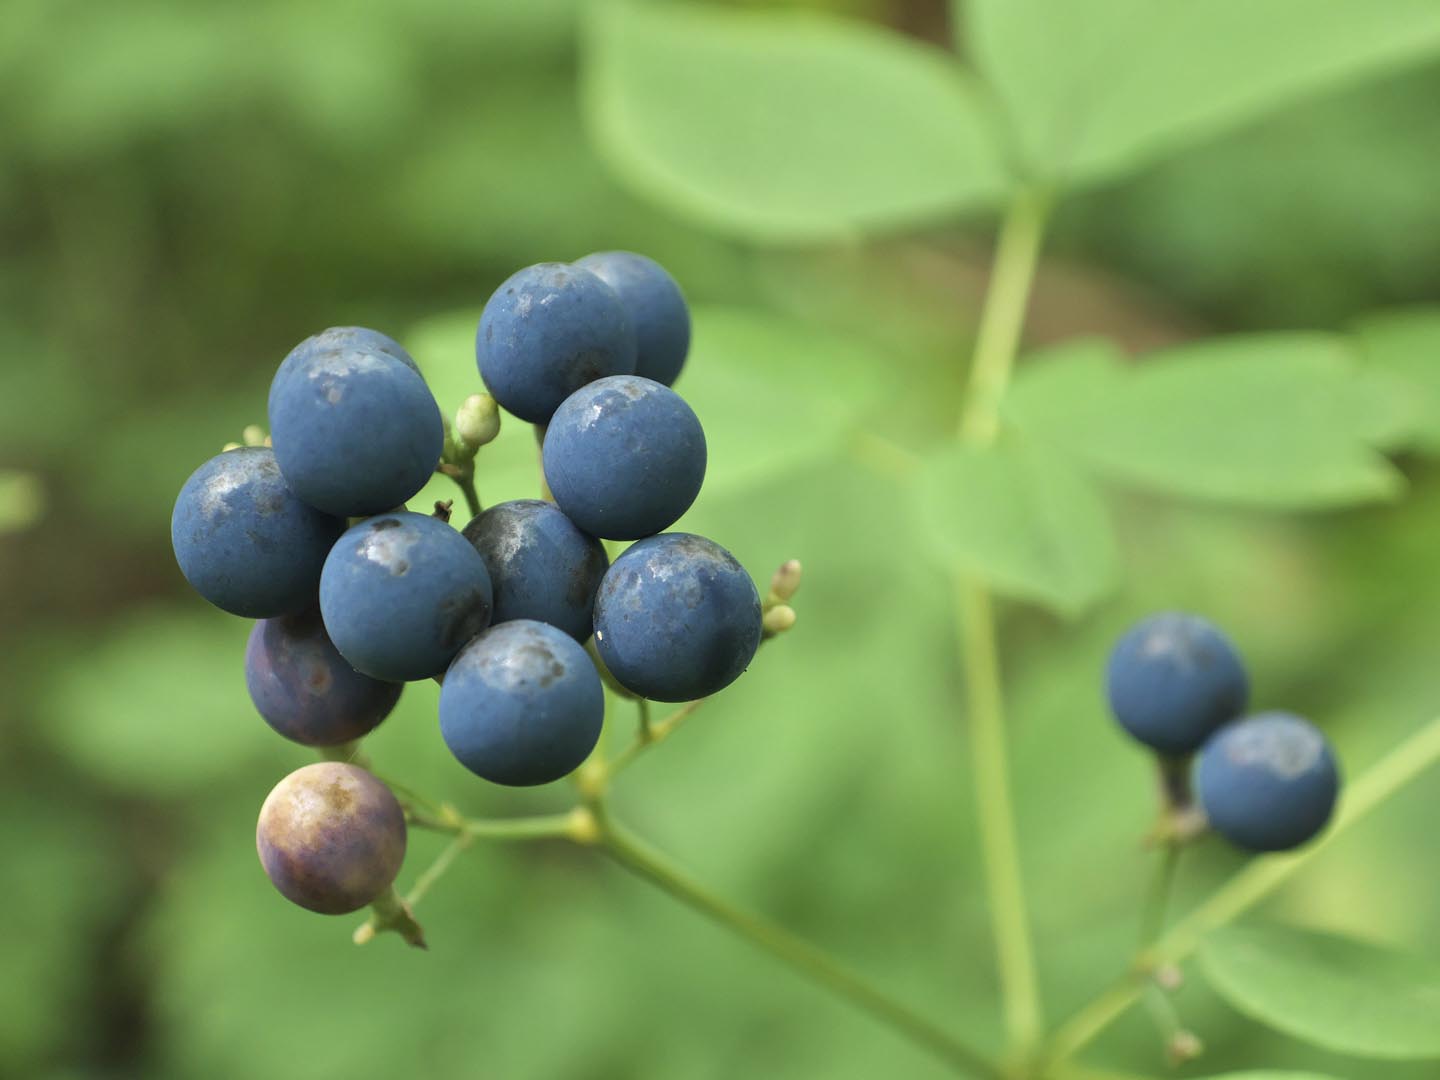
<point x="253" y="435"/>
<point x="477" y="421"/>
<point x="778" y="619"/>
<point x="230" y="446"/>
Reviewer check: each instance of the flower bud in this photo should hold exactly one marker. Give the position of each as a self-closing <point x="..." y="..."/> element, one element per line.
<point x="786" y="581"/>
<point x="777" y="620"/>
<point x="477" y="421"/>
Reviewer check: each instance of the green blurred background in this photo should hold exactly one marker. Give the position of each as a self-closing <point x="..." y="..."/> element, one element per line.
<point x="188" y="189"/>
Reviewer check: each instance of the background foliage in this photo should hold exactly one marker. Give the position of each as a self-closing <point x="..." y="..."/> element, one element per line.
<point x="186" y="190"/>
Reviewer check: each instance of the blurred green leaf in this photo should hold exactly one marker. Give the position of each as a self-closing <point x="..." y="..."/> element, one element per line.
<point x="784" y="125"/>
<point x="160" y="706"/>
<point x="775" y="394"/>
<point x="22" y="500"/>
<point x="1335" y="992"/>
<point x="1407" y="344"/>
<point x="1274" y="420"/>
<point x="1021" y="518"/>
<point x="1099" y="87"/>
<point x="1271" y="1074"/>
<point x="71" y="874"/>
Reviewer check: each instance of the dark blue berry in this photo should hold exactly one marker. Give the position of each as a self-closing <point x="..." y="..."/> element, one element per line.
<point x="306" y="690"/>
<point x="546" y="332"/>
<point x="624" y="457"/>
<point x="522" y="704"/>
<point x="677" y="618"/>
<point x="656" y="307"/>
<point x="356" y="431"/>
<point x="401" y="594"/>
<point x="1173" y="679"/>
<point x="541" y="566"/>
<point x="1267" y="782"/>
<point x="243" y="539"/>
<point x="357" y="337"/>
<point x="331" y="837"/>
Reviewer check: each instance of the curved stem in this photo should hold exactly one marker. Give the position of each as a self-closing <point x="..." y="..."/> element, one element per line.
<point x="999" y="842"/>
<point x="466" y="482"/>
<point x="539" y="827"/>
<point x="1250" y="886"/>
<point x="1157" y="898"/>
<point x="659" y="731"/>
<point x="650" y="865"/>
<point x="1017" y="251"/>
<point x="997" y="339"/>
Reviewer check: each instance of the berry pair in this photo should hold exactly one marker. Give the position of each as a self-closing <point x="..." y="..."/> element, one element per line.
<point x="1266" y="782"/>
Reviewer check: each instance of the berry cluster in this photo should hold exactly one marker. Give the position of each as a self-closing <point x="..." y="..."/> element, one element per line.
<point x="1266" y="782"/>
<point x="356" y="595"/>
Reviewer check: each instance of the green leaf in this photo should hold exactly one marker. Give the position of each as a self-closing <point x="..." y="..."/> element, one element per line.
<point x="1019" y="517"/>
<point x="159" y="706"/>
<point x="775" y="394"/>
<point x="784" y="125"/>
<point x="1272" y="1074"/>
<point x="1406" y="345"/>
<point x="1335" y="992"/>
<point x="1273" y="420"/>
<point x="22" y="500"/>
<point x="1098" y="88"/>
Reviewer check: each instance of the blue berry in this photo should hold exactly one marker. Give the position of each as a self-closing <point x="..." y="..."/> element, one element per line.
<point x="331" y="837"/>
<point x="677" y="618"/>
<point x="345" y="338"/>
<point x="624" y="457"/>
<point x="1173" y="679"/>
<point x="243" y="539"/>
<point x="356" y="431"/>
<point x="656" y="307"/>
<point x="541" y="566"/>
<point x="547" y="331"/>
<point x="306" y="690"/>
<point x="522" y="704"/>
<point x="401" y="594"/>
<point x="1268" y="782"/>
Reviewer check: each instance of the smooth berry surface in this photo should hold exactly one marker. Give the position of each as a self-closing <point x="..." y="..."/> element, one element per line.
<point x="401" y="594"/>
<point x="522" y="704"/>
<point x="547" y="331"/>
<point x="1268" y="782"/>
<point x="677" y="618"/>
<point x="656" y="307"/>
<point x="358" y="337"/>
<point x="306" y="690"/>
<point x="624" y="457"/>
<point x="541" y="565"/>
<point x="1172" y="679"/>
<point x="356" y="431"/>
<point x="331" y="837"/>
<point x="243" y="539"/>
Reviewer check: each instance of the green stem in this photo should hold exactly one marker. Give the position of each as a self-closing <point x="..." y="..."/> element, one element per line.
<point x="997" y="339"/>
<point x="659" y="732"/>
<point x="1017" y="251"/>
<point x="652" y="866"/>
<point x="647" y="733"/>
<point x="436" y="870"/>
<point x="999" y="843"/>
<point x="540" y="463"/>
<point x="466" y="482"/>
<point x="1250" y="886"/>
<point x="540" y="827"/>
<point x="1157" y="899"/>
